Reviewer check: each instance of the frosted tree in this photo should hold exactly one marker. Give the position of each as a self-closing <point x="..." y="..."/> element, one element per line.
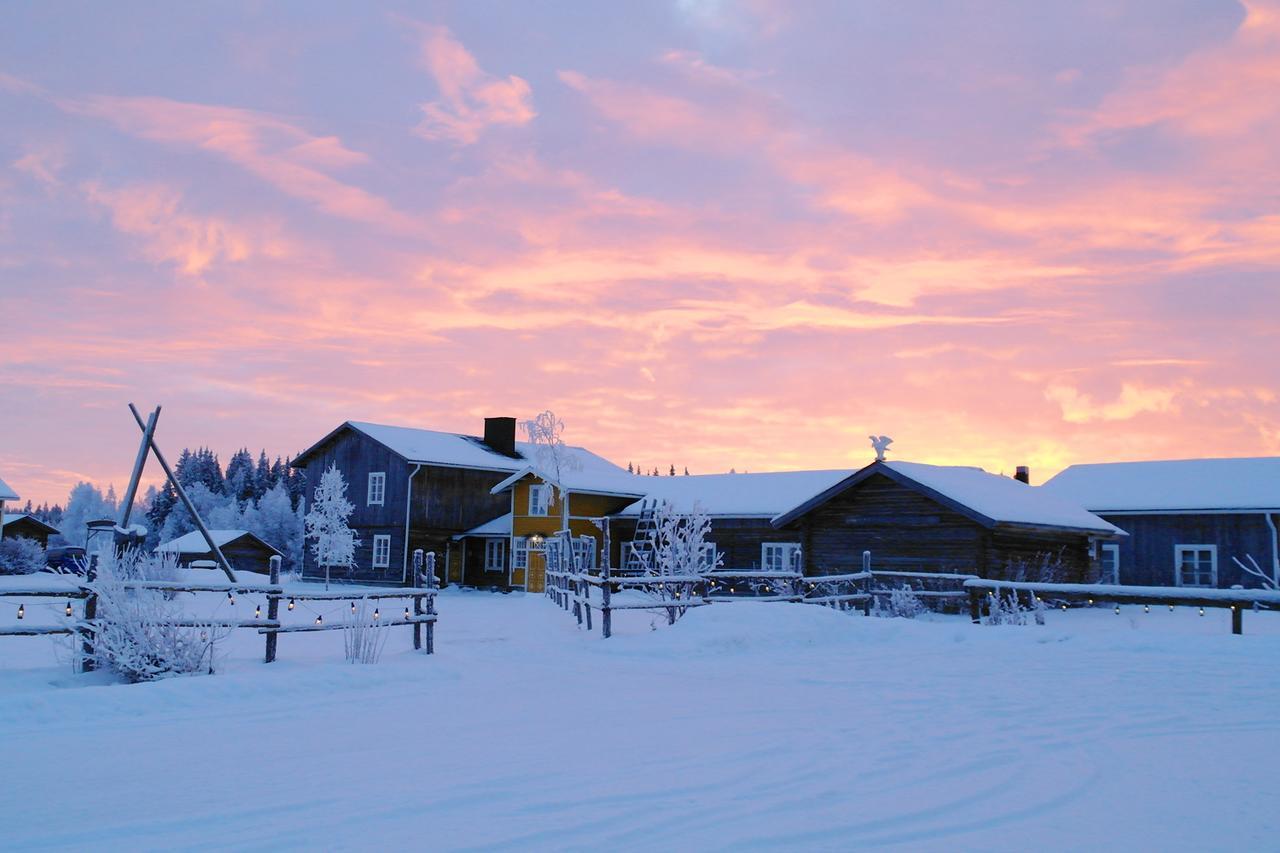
<point x="1252" y="568"/>
<point x="681" y="551"/>
<point x="278" y="524"/>
<point x="326" y="523"/>
<point x="85" y="503"/>
<point x="552" y="456"/>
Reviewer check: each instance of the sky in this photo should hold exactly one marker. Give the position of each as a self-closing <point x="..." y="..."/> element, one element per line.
<point x="705" y="233"/>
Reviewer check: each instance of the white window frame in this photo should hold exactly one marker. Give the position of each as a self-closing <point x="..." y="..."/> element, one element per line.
<point x="520" y="554"/>
<point x="790" y="550"/>
<point x="376" y="495"/>
<point x="495" y="549"/>
<point x="1114" y="550"/>
<point x="382" y="546"/>
<point x="539" y="499"/>
<point x="1180" y="549"/>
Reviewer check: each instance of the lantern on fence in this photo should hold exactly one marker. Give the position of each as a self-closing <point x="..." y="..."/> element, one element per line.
<point x="291" y="604"/>
<point x="68" y="608"/>
<point x="319" y="620"/>
<point x="406" y="612"/>
<point x="22" y="610"/>
<point x="376" y="614"/>
<point x="257" y="612"/>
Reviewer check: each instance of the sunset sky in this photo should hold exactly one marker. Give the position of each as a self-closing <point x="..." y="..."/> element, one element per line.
<point x="710" y="233"/>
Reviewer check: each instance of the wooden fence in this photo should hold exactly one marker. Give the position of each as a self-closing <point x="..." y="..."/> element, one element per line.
<point x="982" y="593"/>
<point x="422" y="617"/>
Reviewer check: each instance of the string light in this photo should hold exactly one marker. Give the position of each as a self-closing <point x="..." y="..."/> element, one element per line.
<point x="1064" y="606"/>
<point x="1091" y="601"/>
<point x="1146" y="608"/>
<point x="319" y="619"/>
<point x="1201" y="611"/>
<point x="231" y="598"/>
<point x="22" y="610"/>
<point x="1117" y="609"/>
<point x="68" y="608"/>
<point x="257" y="612"/>
<point x="291" y="604"/>
<point x="406" y="612"/>
<point x="1170" y="608"/>
<point x="353" y="607"/>
<point x="376" y="614"/>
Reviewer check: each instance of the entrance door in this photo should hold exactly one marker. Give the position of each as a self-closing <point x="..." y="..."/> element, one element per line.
<point x="536" y="579"/>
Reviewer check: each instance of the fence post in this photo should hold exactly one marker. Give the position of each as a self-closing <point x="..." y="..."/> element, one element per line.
<point x="90" y="613"/>
<point x="431" y="602"/>
<point x="273" y="608"/>
<point x="975" y="605"/>
<point x="866" y="582"/>
<point x="606" y="612"/>
<point x="417" y="599"/>
<point x="1237" y="619"/>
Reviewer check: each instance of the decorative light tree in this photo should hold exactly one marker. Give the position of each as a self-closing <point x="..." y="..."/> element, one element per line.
<point x="326" y="523"/>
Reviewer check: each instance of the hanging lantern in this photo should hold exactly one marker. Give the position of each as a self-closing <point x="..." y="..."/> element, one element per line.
<point x="1117" y="609"/>
<point x="406" y="612"/>
<point x="319" y="620"/>
<point x="291" y="604"/>
<point x="68" y="611"/>
<point x="1146" y="608"/>
<point x="22" y="610"/>
<point x="353" y="607"/>
<point x="1201" y="611"/>
<point x="376" y="614"/>
<point x="231" y="598"/>
<point x="257" y="612"/>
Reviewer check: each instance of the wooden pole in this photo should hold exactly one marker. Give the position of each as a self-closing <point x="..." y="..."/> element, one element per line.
<point x="90" y="613"/>
<point x="431" y="603"/>
<point x="975" y="606"/>
<point x="866" y="583"/>
<point x="273" y="607"/>
<point x="1237" y="619"/>
<point x="417" y="599"/>
<point x="186" y="501"/>
<point x="126" y="505"/>
<point x="606" y="613"/>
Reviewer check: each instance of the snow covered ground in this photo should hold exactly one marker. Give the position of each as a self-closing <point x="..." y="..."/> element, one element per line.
<point x="746" y="725"/>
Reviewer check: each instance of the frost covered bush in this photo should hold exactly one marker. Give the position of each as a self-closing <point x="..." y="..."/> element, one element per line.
<point x="20" y="556"/>
<point x="362" y="636"/>
<point x="904" y="603"/>
<point x="1004" y="608"/>
<point x="134" y="631"/>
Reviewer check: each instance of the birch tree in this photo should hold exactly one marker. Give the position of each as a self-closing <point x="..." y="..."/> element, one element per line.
<point x="326" y="523"/>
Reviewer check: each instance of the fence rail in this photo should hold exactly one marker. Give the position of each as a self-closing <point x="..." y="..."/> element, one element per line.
<point x="422" y="618"/>
<point x="982" y="591"/>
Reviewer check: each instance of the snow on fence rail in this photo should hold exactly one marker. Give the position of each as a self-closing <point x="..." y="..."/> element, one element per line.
<point x="86" y="624"/>
<point x="982" y="592"/>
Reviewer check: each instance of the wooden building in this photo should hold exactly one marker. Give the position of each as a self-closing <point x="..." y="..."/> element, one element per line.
<point x="23" y="524"/>
<point x="416" y="488"/>
<point x="243" y="550"/>
<point x="7" y="495"/>
<point x="1186" y="519"/>
<point x="930" y="518"/>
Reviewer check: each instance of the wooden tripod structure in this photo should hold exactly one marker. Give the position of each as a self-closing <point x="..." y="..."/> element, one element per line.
<point x="126" y="505"/>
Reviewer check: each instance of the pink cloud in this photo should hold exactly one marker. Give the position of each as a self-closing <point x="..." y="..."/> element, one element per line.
<point x="471" y="99"/>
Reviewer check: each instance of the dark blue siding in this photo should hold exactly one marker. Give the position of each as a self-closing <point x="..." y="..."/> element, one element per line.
<point x="1147" y="555"/>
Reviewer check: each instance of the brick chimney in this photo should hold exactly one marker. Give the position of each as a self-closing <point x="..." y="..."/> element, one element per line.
<point x="1023" y="475"/>
<point x="500" y="435"/>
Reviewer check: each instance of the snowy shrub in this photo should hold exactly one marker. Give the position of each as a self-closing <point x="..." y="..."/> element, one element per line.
<point x="1004" y="608"/>
<point x="134" y="631"/>
<point x="20" y="556"/>
<point x="904" y="603"/>
<point x="1043" y="568"/>
<point x="362" y="635"/>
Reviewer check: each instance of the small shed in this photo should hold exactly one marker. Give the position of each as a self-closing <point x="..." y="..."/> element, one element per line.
<point x="243" y="550"/>
<point x="25" y="524"/>
<point x="482" y="553"/>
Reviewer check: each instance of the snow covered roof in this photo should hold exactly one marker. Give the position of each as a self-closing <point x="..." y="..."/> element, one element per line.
<point x="990" y="498"/>
<point x="593" y="475"/>
<point x="193" y="542"/>
<point x="1181" y="484"/>
<point x="500" y="526"/>
<point x="451" y="449"/>
<point x="761" y="495"/>
<point x="10" y="517"/>
<point x="6" y="493"/>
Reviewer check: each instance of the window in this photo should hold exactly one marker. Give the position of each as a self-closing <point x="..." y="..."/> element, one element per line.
<point x="495" y="552"/>
<point x="1196" y="565"/>
<point x="709" y="556"/>
<point x="377" y="489"/>
<point x="780" y="556"/>
<point x="539" y="500"/>
<point x="520" y="554"/>
<point x="381" y="552"/>
<point x="584" y="552"/>
<point x="1109" y="562"/>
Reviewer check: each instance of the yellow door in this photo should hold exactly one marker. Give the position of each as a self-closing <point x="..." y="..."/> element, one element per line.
<point x="537" y="581"/>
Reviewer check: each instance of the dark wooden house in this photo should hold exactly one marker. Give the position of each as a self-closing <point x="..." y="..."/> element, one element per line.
<point x="929" y="518"/>
<point x="22" y="524"/>
<point x="7" y="495"/>
<point x="243" y="550"/>
<point x="417" y="488"/>
<point x="1186" y="519"/>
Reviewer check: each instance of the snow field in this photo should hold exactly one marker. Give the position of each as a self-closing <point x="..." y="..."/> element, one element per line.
<point x="746" y="725"/>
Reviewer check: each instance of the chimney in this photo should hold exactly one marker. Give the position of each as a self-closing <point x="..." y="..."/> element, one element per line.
<point x="500" y="435"/>
<point x="1023" y="475"/>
